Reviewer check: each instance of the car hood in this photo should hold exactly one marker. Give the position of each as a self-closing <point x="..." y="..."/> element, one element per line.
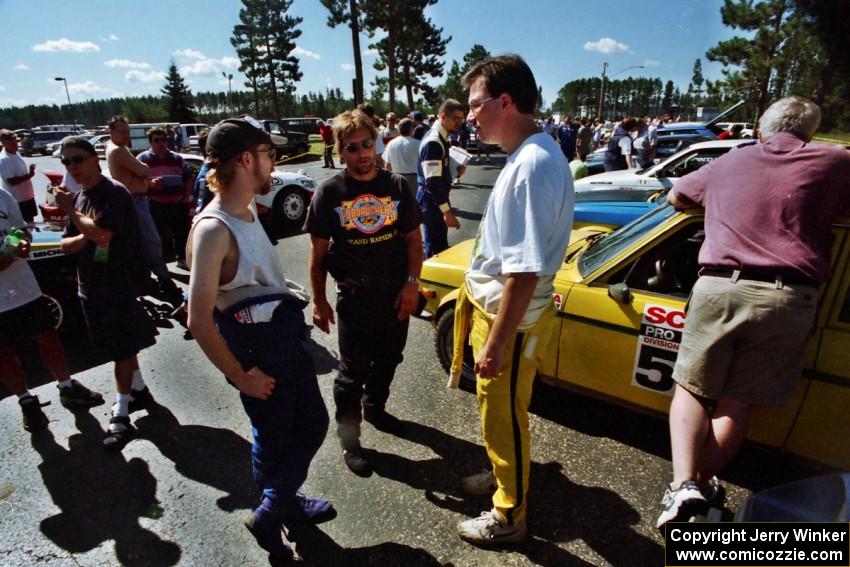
<point x="448" y="267"/>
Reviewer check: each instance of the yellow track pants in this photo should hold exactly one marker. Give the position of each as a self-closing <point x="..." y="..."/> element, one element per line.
<point x="504" y="402"/>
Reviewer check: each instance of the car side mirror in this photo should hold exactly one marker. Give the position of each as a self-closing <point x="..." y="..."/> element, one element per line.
<point x="620" y="293"/>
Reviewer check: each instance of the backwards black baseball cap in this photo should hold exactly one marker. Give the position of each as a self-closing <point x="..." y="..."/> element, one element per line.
<point x="78" y="143"/>
<point x="233" y="136"/>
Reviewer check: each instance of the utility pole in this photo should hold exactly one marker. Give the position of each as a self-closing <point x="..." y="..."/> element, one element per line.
<point x="229" y="77"/>
<point x="73" y="114"/>
<point x="602" y="91"/>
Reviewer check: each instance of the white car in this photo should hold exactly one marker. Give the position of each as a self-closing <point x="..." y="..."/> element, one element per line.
<point x="638" y="185"/>
<point x="288" y="199"/>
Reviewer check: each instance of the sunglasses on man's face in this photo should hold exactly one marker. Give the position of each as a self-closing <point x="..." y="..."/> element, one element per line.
<point x="354" y="146"/>
<point x="76" y="160"/>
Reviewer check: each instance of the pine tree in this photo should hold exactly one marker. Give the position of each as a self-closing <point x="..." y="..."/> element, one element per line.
<point x="697" y="81"/>
<point x="264" y="40"/>
<point x="179" y="97"/>
<point x="348" y="12"/>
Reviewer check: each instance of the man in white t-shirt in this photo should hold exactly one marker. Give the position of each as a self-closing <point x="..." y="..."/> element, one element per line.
<point x="506" y="304"/>
<point x="401" y="155"/>
<point x="26" y="314"/>
<point x="16" y="177"/>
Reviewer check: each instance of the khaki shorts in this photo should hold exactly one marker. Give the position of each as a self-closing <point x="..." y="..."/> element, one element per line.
<point x="745" y="340"/>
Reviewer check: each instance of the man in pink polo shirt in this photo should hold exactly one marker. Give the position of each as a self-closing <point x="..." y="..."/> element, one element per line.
<point x="768" y="211"/>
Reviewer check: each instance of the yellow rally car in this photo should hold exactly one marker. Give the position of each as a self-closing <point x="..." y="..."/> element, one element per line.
<point x="621" y="298"/>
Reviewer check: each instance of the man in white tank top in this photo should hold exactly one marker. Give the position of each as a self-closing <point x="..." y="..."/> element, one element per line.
<point x="248" y="320"/>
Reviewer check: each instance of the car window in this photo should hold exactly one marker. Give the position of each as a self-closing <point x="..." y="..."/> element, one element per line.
<point x="693" y="161"/>
<point x="615" y="242"/>
<point x="671" y="267"/>
<point x="274" y="128"/>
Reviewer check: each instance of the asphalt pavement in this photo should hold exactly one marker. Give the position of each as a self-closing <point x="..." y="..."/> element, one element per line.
<point x="178" y="492"/>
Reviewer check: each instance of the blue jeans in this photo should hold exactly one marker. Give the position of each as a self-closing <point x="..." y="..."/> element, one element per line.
<point x="289" y="426"/>
<point x="435" y="232"/>
<point x="151" y="244"/>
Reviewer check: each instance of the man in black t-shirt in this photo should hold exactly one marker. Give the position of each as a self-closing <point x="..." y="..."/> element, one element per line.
<point x="364" y="228"/>
<point x="103" y="235"/>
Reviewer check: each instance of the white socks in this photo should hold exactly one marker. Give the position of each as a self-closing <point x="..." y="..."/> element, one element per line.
<point x="66" y="383"/>
<point x="122" y="404"/>
<point x="26" y="394"/>
<point x="138" y="381"/>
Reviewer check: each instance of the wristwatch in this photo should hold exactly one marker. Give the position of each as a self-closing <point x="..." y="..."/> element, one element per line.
<point x="412" y="279"/>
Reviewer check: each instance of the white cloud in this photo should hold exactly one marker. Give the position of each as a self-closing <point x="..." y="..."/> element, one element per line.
<point x="651" y="63"/>
<point x="202" y="68"/>
<point x="2" y="89"/>
<point x="87" y="88"/>
<point x="21" y="67"/>
<point x="189" y="54"/>
<point x="144" y="77"/>
<point x="111" y="37"/>
<point x="347" y="67"/>
<point x="126" y="64"/>
<point x="607" y="45"/>
<point x="230" y="62"/>
<point x="66" y="45"/>
<point x="301" y="52"/>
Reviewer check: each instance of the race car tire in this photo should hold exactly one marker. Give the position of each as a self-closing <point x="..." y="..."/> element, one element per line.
<point x="290" y="206"/>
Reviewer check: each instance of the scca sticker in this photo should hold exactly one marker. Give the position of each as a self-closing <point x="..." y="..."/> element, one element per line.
<point x="658" y="345"/>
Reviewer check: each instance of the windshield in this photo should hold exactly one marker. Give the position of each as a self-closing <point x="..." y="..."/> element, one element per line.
<point x="615" y="242"/>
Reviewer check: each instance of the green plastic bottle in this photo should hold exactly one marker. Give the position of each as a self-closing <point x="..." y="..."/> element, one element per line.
<point x="12" y="241"/>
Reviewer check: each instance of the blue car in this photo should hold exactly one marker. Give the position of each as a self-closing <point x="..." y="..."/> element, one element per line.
<point x="614" y="213"/>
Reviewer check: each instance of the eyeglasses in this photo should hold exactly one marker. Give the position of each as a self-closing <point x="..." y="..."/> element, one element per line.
<point x="272" y="151"/>
<point x="475" y="105"/>
<point x="354" y="146"/>
<point x="76" y="160"/>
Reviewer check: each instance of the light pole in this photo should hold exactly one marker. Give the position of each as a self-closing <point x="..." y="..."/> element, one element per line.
<point x="602" y="91"/>
<point x="73" y="115"/>
<point x="229" y="77"/>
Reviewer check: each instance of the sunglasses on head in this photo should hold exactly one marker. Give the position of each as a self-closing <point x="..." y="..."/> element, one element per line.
<point x="76" y="160"/>
<point x="354" y="146"/>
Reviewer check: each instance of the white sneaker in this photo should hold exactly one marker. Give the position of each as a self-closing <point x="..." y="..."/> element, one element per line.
<point x="490" y="529"/>
<point x="480" y="484"/>
<point x="681" y="504"/>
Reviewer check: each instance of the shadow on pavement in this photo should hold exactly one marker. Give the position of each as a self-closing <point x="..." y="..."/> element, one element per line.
<point x="319" y="550"/>
<point x="216" y="457"/>
<point x="754" y="467"/>
<point x="101" y="497"/>
<point x="559" y="510"/>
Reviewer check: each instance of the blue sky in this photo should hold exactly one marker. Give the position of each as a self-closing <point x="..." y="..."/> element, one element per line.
<point x="120" y="48"/>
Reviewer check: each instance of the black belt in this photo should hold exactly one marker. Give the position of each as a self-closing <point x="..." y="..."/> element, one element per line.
<point x="794" y="279"/>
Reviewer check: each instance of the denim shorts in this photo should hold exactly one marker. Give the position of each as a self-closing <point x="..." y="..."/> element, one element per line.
<point x="745" y="340"/>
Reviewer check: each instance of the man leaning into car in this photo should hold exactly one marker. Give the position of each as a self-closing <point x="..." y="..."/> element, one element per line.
<point x="506" y="303"/>
<point x="768" y="211"/>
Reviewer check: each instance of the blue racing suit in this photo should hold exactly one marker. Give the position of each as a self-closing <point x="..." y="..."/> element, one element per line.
<point x="290" y="425"/>
<point x="435" y="182"/>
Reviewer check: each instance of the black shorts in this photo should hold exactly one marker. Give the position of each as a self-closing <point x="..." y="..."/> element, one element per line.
<point x="118" y="326"/>
<point x="28" y="210"/>
<point x="26" y="321"/>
